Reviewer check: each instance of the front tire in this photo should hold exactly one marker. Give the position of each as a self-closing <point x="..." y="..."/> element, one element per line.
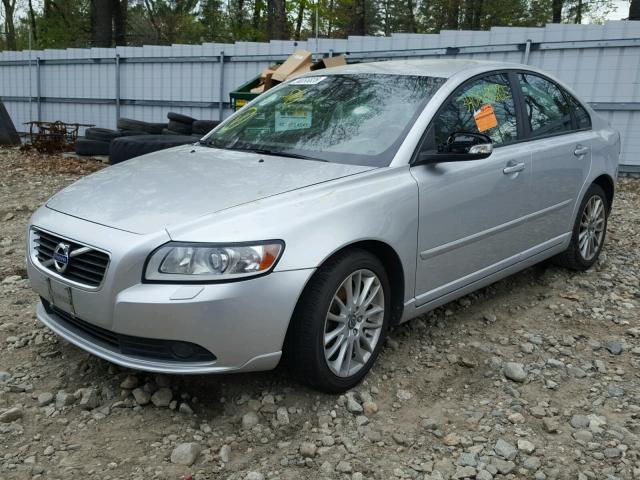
<point x="589" y="231"/>
<point x="340" y="322"/>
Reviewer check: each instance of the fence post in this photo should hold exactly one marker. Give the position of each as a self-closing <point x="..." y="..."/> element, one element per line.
<point x="117" y="86"/>
<point x="527" y="51"/>
<point x="221" y="92"/>
<point x="38" y="89"/>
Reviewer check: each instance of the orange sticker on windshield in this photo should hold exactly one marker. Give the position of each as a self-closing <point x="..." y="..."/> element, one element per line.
<point x="485" y="118"/>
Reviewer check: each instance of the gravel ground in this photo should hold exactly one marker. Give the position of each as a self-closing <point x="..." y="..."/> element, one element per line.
<point x="536" y="376"/>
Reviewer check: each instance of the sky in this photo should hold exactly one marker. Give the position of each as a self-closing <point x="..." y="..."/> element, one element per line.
<point x="622" y="10"/>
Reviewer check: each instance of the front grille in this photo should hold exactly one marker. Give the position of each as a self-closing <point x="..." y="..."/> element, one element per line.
<point x="146" y="348"/>
<point x="87" y="266"/>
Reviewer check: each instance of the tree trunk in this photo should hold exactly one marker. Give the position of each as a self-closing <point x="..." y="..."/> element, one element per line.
<point x="578" y="18"/>
<point x="120" y="8"/>
<point x="452" y="14"/>
<point x="477" y="15"/>
<point x="10" y="29"/>
<point x="101" y="23"/>
<point x="330" y="27"/>
<point x="358" y="26"/>
<point x="239" y="20"/>
<point x="387" y="27"/>
<point x="299" y="20"/>
<point x="634" y="10"/>
<point x="411" y="18"/>
<point x="257" y="13"/>
<point x="32" y="21"/>
<point x="556" y="8"/>
<point x="469" y="7"/>
<point x="281" y="30"/>
<point x="276" y="20"/>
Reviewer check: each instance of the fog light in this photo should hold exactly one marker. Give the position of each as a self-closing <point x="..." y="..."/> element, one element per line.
<point x="182" y="349"/>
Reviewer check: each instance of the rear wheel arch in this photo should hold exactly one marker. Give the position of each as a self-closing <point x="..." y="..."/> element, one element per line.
<point x="605" y="182"/>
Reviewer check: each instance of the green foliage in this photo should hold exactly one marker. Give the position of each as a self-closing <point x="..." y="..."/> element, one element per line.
<point x="67" y="23"/>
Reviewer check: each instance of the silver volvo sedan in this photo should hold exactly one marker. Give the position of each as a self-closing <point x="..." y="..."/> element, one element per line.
<point x="329" y="209"/>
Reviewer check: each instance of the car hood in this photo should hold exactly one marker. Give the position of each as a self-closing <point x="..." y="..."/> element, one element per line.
<point x="178" y="185"/>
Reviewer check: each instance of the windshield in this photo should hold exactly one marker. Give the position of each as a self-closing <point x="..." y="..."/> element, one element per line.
<point x="357" y="119"/>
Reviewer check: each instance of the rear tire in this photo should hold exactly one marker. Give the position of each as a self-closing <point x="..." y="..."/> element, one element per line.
<point x="589" y="231"/>
<point x="332" y="342"/>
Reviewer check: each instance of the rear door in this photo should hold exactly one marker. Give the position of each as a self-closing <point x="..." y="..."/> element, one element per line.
<point x="559" y="135"/>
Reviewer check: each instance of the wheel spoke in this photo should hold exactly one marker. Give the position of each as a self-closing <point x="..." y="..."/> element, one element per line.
<point x="358" y="354"/>
<point x="337" y="318"/>
<point x="366" y="287"/>
<point x="341" y="305"/>
<point x="372" y="324"/>
<point x="339" y="361"/>
<point x="583" y="247"/>
<point x="371" y="297"/>
<point x="334" y="348"/>
<point x="349" y="354"/>
<point x="328" y="337"/>
<point x="357" y="283"/>
<point x="348" y="288"/>
<point x="366" y="343"/>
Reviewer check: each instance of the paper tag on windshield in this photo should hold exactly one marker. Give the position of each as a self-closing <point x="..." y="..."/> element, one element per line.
<point x="485" y="118"/>
<point x="293" y="117"/>
<point x="307" y="80"/>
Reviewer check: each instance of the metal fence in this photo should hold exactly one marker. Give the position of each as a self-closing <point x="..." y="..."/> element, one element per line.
<point x="98" y="85"/>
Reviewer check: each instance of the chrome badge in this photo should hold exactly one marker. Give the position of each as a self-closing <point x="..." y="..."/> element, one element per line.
<point x="61" y="257"/>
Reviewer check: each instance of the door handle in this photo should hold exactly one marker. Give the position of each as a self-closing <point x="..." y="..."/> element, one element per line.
<point x="581" y="150"/>
<point x="517" y="167"/>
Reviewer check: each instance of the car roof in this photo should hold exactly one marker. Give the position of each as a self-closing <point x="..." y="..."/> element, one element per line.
<point x="443" y="68"/>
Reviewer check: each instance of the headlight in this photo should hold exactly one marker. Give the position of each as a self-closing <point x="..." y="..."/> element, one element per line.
<point x="201" y="262"/>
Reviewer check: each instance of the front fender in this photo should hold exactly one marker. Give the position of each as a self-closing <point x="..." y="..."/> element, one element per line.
<point x="317" y="221"/>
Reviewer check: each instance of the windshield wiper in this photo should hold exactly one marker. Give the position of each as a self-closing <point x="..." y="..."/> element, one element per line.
<point x="281" y="153"/>
<point x="264" y="151"/>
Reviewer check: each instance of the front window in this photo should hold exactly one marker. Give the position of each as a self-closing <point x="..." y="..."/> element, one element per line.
<point x="356" y="119"/>
<point x="485" y="105"/>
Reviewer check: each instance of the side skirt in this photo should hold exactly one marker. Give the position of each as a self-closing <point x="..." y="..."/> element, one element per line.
<point x="491" y="274"/>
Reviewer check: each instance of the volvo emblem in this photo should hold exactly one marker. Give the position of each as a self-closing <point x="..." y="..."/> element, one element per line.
<point x="61" y="257"/>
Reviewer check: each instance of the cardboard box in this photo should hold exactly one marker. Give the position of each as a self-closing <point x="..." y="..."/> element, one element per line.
<point x="306" y="68"/>
<point x="329" y="62"/>
<point x="259" y="89"/>
<point x="294" y="62"/>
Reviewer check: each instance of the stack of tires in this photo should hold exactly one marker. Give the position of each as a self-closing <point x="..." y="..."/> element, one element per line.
<point x="97" y="141"/>
<point x="134" y="137"/>
<point x="201" y="127"/>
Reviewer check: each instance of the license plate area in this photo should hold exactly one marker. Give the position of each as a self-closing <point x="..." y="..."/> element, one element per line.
<point x="61" y="296"/>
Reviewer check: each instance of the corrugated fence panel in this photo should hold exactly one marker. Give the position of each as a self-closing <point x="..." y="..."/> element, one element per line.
<point x="600" y="62"/>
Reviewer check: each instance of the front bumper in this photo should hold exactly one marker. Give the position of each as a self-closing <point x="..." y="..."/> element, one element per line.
<point x="243" y="324"/>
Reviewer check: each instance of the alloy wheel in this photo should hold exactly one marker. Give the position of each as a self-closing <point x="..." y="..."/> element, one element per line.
<point x="591" y="231"/>
<point x="353" y="323"/>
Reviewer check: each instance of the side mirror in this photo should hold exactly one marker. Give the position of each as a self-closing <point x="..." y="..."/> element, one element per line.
<point x="460" y="146"/>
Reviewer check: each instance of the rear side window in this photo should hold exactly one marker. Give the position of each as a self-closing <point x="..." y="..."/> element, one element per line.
<point x="547" y="108"/>
<point x="583" y="120"/>
<point x="483" y="106"/>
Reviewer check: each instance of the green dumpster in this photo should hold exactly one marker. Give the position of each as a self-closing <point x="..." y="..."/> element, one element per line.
<point x="242" y="95"/>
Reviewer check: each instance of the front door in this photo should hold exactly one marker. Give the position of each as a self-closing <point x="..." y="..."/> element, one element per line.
<point x="472" y="214"/>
